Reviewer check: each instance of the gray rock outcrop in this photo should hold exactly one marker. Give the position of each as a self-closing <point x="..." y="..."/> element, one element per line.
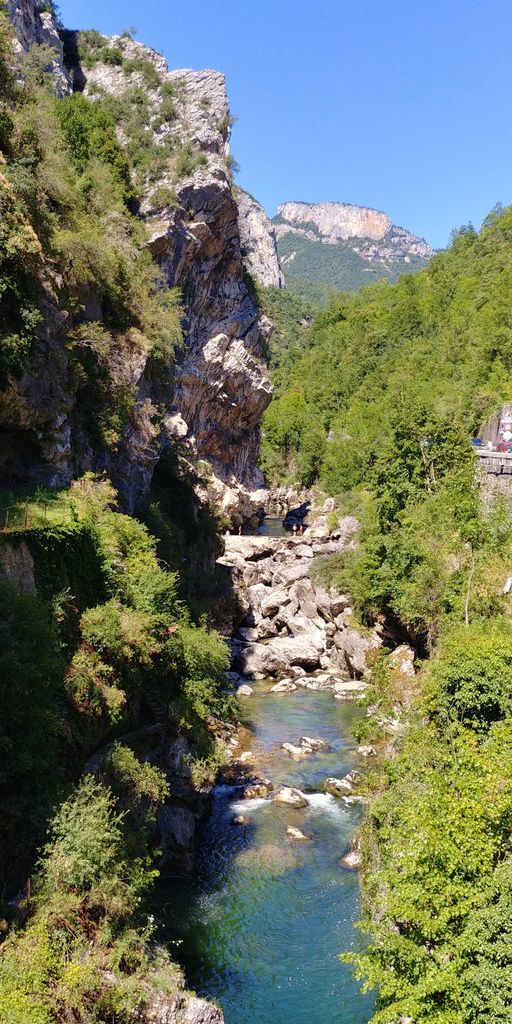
<point x="220" y="388"/>
<point x="377" y="237"/>
<point x="35" y="25"/>
<point x="258" y="240"/>
<point x="293" y="622"/>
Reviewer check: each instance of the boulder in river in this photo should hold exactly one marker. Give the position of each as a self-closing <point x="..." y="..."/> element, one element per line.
<point x="296" y="834"/>
<point x="285" y="686"/>
<point x="352" y="859"/>
<point x="244" y="690"/>
<point x="313" y="742"/>
<point x="258" y="788"/>
<point x="291" y="797"/>
<point x="241" y="819"/>
<point x="366" y="751"/>
<point x="338" y="787"/>
<point x="298" y="753"/>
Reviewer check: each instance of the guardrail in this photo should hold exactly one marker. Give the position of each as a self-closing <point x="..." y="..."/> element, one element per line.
<point x="495" y="463"/>
<point x="30" y="516"/>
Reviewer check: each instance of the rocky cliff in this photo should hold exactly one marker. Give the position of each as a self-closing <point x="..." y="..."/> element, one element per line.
<point x="258" y="240"/>
<point x="343" y="246"/>
<point x="339" y="222"/>
<point x="219" y="387"/>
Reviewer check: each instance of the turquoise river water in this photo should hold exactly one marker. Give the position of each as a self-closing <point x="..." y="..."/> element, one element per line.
<point x="260" y="926"/>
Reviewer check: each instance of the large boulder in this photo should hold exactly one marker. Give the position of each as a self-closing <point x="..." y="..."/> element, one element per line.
<point x="293" y="650"/>
<point x="285" y="686"/>
<point x="249" y="548"/>
<point x="353" y="858"/>
<point x="338" y="787"/>
<point x="184" y="1008"/>
<point x="291" y="797"/>
<point x="349" y="689"/>
<point x="270" y="603"/>
<point x="288" y="574"/>
<point x="298" y="753"/>
<point x="301" y="625"/>
<point x="359" y="647"/>
<point x="261" y="660"/>
<point x="402" y="660"/>
<point x="266" y="629"/>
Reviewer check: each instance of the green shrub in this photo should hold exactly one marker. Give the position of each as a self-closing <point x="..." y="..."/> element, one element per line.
<point x="144" y="67"/>
<point x="188" y="161"/>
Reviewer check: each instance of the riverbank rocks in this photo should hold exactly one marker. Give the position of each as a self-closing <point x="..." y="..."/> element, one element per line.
<point x="293" y="621"/>
<point x="297" y="835"/>
<point x="184" y="1008"/>
<point x="291" y="797"/>
<point x="353" y="858"/>
<point x="349" y="689"/>
<point x="366" y="751"/>
<point x="244" y="690"/>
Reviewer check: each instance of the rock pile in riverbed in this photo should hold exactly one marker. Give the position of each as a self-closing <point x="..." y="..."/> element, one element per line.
<point x="292" y="624"/>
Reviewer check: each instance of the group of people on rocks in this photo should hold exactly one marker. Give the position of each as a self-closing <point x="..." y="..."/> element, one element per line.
<point x="297" y="530"/>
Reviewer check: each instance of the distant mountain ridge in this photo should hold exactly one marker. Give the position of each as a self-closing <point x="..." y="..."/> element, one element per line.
<point x="344" y="246"/>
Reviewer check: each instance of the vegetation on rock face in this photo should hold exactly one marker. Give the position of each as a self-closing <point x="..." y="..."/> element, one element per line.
<point x="104" y="627"/>
<point x="70" y="242"/>
<point x="308" y="264"/>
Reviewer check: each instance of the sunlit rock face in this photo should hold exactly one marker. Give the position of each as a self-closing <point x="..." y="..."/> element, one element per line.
<point x="219" y="388"/>
<point x="258" y="242"/>
<point x="33" y="24"/>
<point x="340" y="222"/>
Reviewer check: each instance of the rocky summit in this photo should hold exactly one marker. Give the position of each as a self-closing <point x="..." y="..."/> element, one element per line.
<point x="364" y="244"/>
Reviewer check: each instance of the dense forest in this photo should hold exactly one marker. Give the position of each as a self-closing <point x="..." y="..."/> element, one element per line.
<point x="378" y="399"/>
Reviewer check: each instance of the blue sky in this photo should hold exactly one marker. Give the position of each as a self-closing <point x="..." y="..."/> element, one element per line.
<point x="402" y="105"/>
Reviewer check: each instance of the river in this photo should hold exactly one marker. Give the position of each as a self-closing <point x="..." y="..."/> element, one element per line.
<point x="260" y="926"/>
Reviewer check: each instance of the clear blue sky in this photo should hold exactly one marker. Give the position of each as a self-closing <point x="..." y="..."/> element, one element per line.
<point x="404" y="105"/>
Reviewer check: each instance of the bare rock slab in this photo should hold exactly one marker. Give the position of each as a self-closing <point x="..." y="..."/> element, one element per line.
<point x="291" y="797"/>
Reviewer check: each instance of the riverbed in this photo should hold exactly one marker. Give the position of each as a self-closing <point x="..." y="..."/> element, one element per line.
<point x="260" y="926"/>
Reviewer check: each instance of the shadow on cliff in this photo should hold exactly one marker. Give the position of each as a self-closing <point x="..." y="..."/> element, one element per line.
<point x="189" y="541"/>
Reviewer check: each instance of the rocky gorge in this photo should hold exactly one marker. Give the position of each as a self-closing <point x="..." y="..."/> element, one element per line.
<point x="132" y="681"/>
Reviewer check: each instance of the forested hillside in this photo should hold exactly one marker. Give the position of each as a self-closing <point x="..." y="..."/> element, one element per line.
<point x="309" y="264"/>
<point x="378" y="403"/>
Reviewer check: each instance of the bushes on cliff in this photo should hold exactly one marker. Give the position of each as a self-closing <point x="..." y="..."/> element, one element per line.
<point x="83" y="955"/>
<point x="31" y="771"/>
<point x="69" y="239"/>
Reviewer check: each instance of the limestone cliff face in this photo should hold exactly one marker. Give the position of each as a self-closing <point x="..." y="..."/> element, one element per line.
<point x="378" y="237"/>
<point x="258" y="240"/>
<point x="220" y="387"/>
<point x="34" y="24"/>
